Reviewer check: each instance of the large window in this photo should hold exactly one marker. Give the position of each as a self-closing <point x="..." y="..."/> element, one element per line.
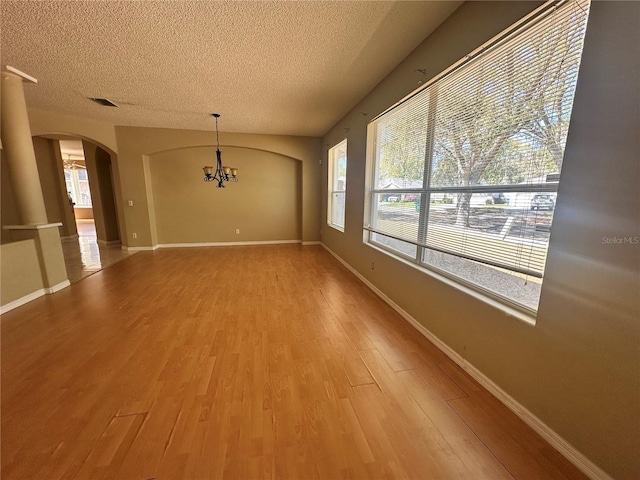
<point x="337" y="185"/>
<point x="78" y="186"/>
<point x="466" y="171"/>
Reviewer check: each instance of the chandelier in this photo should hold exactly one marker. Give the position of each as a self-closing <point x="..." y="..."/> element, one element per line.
<point x="220" y="174"/>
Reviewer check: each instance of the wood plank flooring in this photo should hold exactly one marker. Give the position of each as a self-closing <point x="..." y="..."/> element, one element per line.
<point x="243" y="363"/>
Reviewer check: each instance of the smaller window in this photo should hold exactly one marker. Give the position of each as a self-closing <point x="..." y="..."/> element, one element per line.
<point x="337" y="185"/>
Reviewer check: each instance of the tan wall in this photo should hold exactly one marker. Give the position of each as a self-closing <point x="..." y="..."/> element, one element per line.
<point x="94" y="185"/>
<point x="43" y="122"/>
<point x="138" y="150"/>
<point x="577" y="369"/>
<point x="49" y="251"/>
<point x="45" y="158"/>
<point x="107" y="198"/>
<point x="98" y="163"/>
<point x="264" y="205"/>
<point x="19" y="271"/>
<point x="97" y="133"/>
<point x="54" y="192"/>
<point x="8" y="210"/>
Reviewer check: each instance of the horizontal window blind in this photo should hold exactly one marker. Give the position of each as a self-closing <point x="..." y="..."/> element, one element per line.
<point x="470" y="165"/>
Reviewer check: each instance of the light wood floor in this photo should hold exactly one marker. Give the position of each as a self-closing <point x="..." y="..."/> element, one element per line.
<point x="243" y="362"/>
<point x="84" y="256"/>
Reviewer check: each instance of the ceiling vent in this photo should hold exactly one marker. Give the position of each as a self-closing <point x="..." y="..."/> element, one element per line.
<point x="104" y="102"/>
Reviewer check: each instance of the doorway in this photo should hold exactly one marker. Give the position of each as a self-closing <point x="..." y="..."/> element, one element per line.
<point x="89" y="185"/>
<point x="76" y="179"/>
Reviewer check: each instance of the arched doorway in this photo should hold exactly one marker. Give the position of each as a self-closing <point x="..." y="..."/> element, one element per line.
<point x="77" y="181"/>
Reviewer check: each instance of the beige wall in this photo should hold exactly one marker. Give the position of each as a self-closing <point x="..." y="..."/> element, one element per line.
<point x="43" y="122"/>
<point x="98" y="163"/>
<point x="8" y="209"/>
<point x="19" y="271"/>
<point x="51" y="175"/>
<point x="45" y="158"/>
<point x="97" y="133"/>
<point x="578" y="368"/>
<point x="104" y="171"/>
<point x="141" y="151"/>
<point x="263" y="205"/>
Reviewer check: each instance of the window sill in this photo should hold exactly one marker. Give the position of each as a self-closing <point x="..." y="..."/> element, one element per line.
<point x="495" y="302"/>
<point x="336" y="227"/>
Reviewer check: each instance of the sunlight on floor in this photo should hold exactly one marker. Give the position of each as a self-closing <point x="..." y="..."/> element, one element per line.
<point x="84" y="256"/>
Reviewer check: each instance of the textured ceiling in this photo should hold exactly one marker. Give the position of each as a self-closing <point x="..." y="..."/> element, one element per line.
<point x="279" y="67"/>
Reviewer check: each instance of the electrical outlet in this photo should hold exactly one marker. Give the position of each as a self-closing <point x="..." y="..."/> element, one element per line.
<point x="237" y="231"/>
<point x="134" y="235"/>
<point x="130" y="203"/>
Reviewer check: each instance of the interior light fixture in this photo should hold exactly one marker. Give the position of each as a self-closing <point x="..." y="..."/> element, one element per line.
<point x="220" y="174"/>
<point x="69" y="164"/>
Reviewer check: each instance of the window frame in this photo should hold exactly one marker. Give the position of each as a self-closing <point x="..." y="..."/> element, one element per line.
<point x="75" y="189"/>
<point x="373" y="193"/>
<point x="332" y="178"/>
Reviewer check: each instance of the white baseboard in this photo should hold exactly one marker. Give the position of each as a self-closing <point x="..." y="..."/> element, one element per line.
<point x="225" y="244"/>
<point x="21" y="301"/>
<point x="139" y="249"/>
<point x="316" y="242"/>
<point x="70" y="238"/>
<point x="32" y="296"/>
<point x="585" y="465"/>
<point x="57" y="288"/>
<point x="217" y="244"/>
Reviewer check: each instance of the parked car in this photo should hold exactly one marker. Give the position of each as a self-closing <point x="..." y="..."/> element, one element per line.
<point x="499" y="199"/>
<point x="542" y="201"/>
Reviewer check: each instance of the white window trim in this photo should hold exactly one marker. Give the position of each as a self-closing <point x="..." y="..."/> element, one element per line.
<point x="330" y="191"/>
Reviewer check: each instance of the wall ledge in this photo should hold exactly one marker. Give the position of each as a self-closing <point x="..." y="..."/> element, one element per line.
<point x="572" y="454"/>
<point x="70" y="238"/>
<point x="39" y="226"/>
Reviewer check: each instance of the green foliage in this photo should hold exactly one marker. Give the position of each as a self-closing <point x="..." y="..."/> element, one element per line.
<point x="402" y="146"/>
<point x="501" y="120"/>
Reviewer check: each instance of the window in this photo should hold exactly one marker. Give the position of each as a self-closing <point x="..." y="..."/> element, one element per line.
<point x="465" y="172"/>
<point x="78" y="186"/>
<point x="337" y="185"/>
